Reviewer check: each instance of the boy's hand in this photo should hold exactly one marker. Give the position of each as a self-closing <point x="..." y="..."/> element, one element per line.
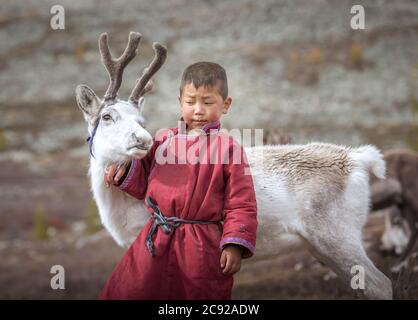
<point x="113" y="173"/>
<point x="231" y="259"/>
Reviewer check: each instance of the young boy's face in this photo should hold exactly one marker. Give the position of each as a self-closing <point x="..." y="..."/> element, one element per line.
<point x="202" y="105"/>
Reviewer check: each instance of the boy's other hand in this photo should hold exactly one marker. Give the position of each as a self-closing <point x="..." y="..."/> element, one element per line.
<point x="113" y="173"/>
<point x="231" y="259"/>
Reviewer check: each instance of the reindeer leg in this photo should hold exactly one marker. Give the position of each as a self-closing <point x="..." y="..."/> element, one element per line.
<point x="385" y="193"/>
<point x="409" y="215"/>
<point x="341" y="253"/>
<point x="394" y="237"/>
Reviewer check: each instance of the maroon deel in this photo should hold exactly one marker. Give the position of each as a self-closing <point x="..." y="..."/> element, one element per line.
<point x="204" y="178"/>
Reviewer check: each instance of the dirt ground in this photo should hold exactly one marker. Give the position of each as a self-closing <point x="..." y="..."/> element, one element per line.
<point x="89" y="260"/>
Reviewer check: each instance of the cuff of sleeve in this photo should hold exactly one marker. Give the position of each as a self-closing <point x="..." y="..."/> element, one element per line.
<point x="242" y="242"/>
<point x="128" y="179"/>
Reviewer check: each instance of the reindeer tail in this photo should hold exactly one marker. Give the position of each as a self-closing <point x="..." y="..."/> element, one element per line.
<point x="371" y="158"/>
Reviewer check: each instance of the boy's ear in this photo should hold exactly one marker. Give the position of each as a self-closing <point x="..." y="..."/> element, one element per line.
<point x="88" y="102"/>
<point x="227" y="104"/>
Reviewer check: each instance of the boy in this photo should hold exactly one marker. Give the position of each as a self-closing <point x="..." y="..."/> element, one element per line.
<point x="203" y="214"/>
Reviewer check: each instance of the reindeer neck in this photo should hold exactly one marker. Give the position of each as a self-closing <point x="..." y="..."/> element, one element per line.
<point x="109" y="197"/>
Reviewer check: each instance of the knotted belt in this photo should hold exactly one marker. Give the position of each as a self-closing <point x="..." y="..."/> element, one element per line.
<point x="166" y="223"/>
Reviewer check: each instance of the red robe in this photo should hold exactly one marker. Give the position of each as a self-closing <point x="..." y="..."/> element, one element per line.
<point x="186" y="264"/>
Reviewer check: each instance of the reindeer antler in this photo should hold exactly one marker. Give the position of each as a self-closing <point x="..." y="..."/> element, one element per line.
<point x="115" y="67"/>
<point x="144" y="84"/>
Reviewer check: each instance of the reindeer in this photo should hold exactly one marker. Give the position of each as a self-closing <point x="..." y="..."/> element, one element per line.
<point x="398" y="194"/>
<point x="313" y="196"/>
<point x="116" y="129"/>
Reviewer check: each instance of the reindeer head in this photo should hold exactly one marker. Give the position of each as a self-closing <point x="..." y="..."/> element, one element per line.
<point x="116" y="127"/>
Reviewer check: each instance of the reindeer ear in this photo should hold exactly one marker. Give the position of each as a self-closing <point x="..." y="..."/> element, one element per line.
<point x="141" y="103"/>
<point x="88" y="102"/>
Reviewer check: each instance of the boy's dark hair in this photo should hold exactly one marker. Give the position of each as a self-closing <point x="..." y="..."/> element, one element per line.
<point x="205" y="73"/>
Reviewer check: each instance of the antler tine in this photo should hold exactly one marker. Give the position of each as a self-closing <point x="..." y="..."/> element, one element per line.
<point x="141" y="86"/>
<point x="148" y="87"/>
<point x="115" y="67"/>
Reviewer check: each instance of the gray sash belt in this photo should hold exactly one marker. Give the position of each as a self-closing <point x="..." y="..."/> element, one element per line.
<point x="166" y="223"/>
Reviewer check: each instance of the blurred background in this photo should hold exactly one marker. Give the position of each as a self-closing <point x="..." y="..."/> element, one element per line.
<point x="295" y="69"/>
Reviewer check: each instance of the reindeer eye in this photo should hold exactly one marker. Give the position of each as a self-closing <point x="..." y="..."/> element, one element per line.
<point x="106" y="117"/>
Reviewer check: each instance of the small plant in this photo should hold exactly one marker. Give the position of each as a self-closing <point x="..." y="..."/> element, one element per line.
<point x="3" y="141"/>
<point x="92" y="220"/>
<point x="80" y="50"/>
<point x="356" y="55"/>
<point x="313" y="56"/>
<point x="40" y="225"/>
<point x="414" y="106"/>
<point x="410" y="137"/>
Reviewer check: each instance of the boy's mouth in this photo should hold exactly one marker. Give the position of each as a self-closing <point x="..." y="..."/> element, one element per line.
<point x="199" y="121"/>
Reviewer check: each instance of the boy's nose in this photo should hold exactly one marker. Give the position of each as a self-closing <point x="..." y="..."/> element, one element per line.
<point x="199" y="109"/>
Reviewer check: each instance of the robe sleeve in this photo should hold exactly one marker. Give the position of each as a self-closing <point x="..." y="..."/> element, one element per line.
<point x="240" y="207"/>
<point x="136" y="181"/>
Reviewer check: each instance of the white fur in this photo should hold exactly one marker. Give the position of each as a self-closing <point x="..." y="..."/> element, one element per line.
<point x="122" y="215"/>
<point x="288" y="221"/>
<point x="369" y="156"/>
